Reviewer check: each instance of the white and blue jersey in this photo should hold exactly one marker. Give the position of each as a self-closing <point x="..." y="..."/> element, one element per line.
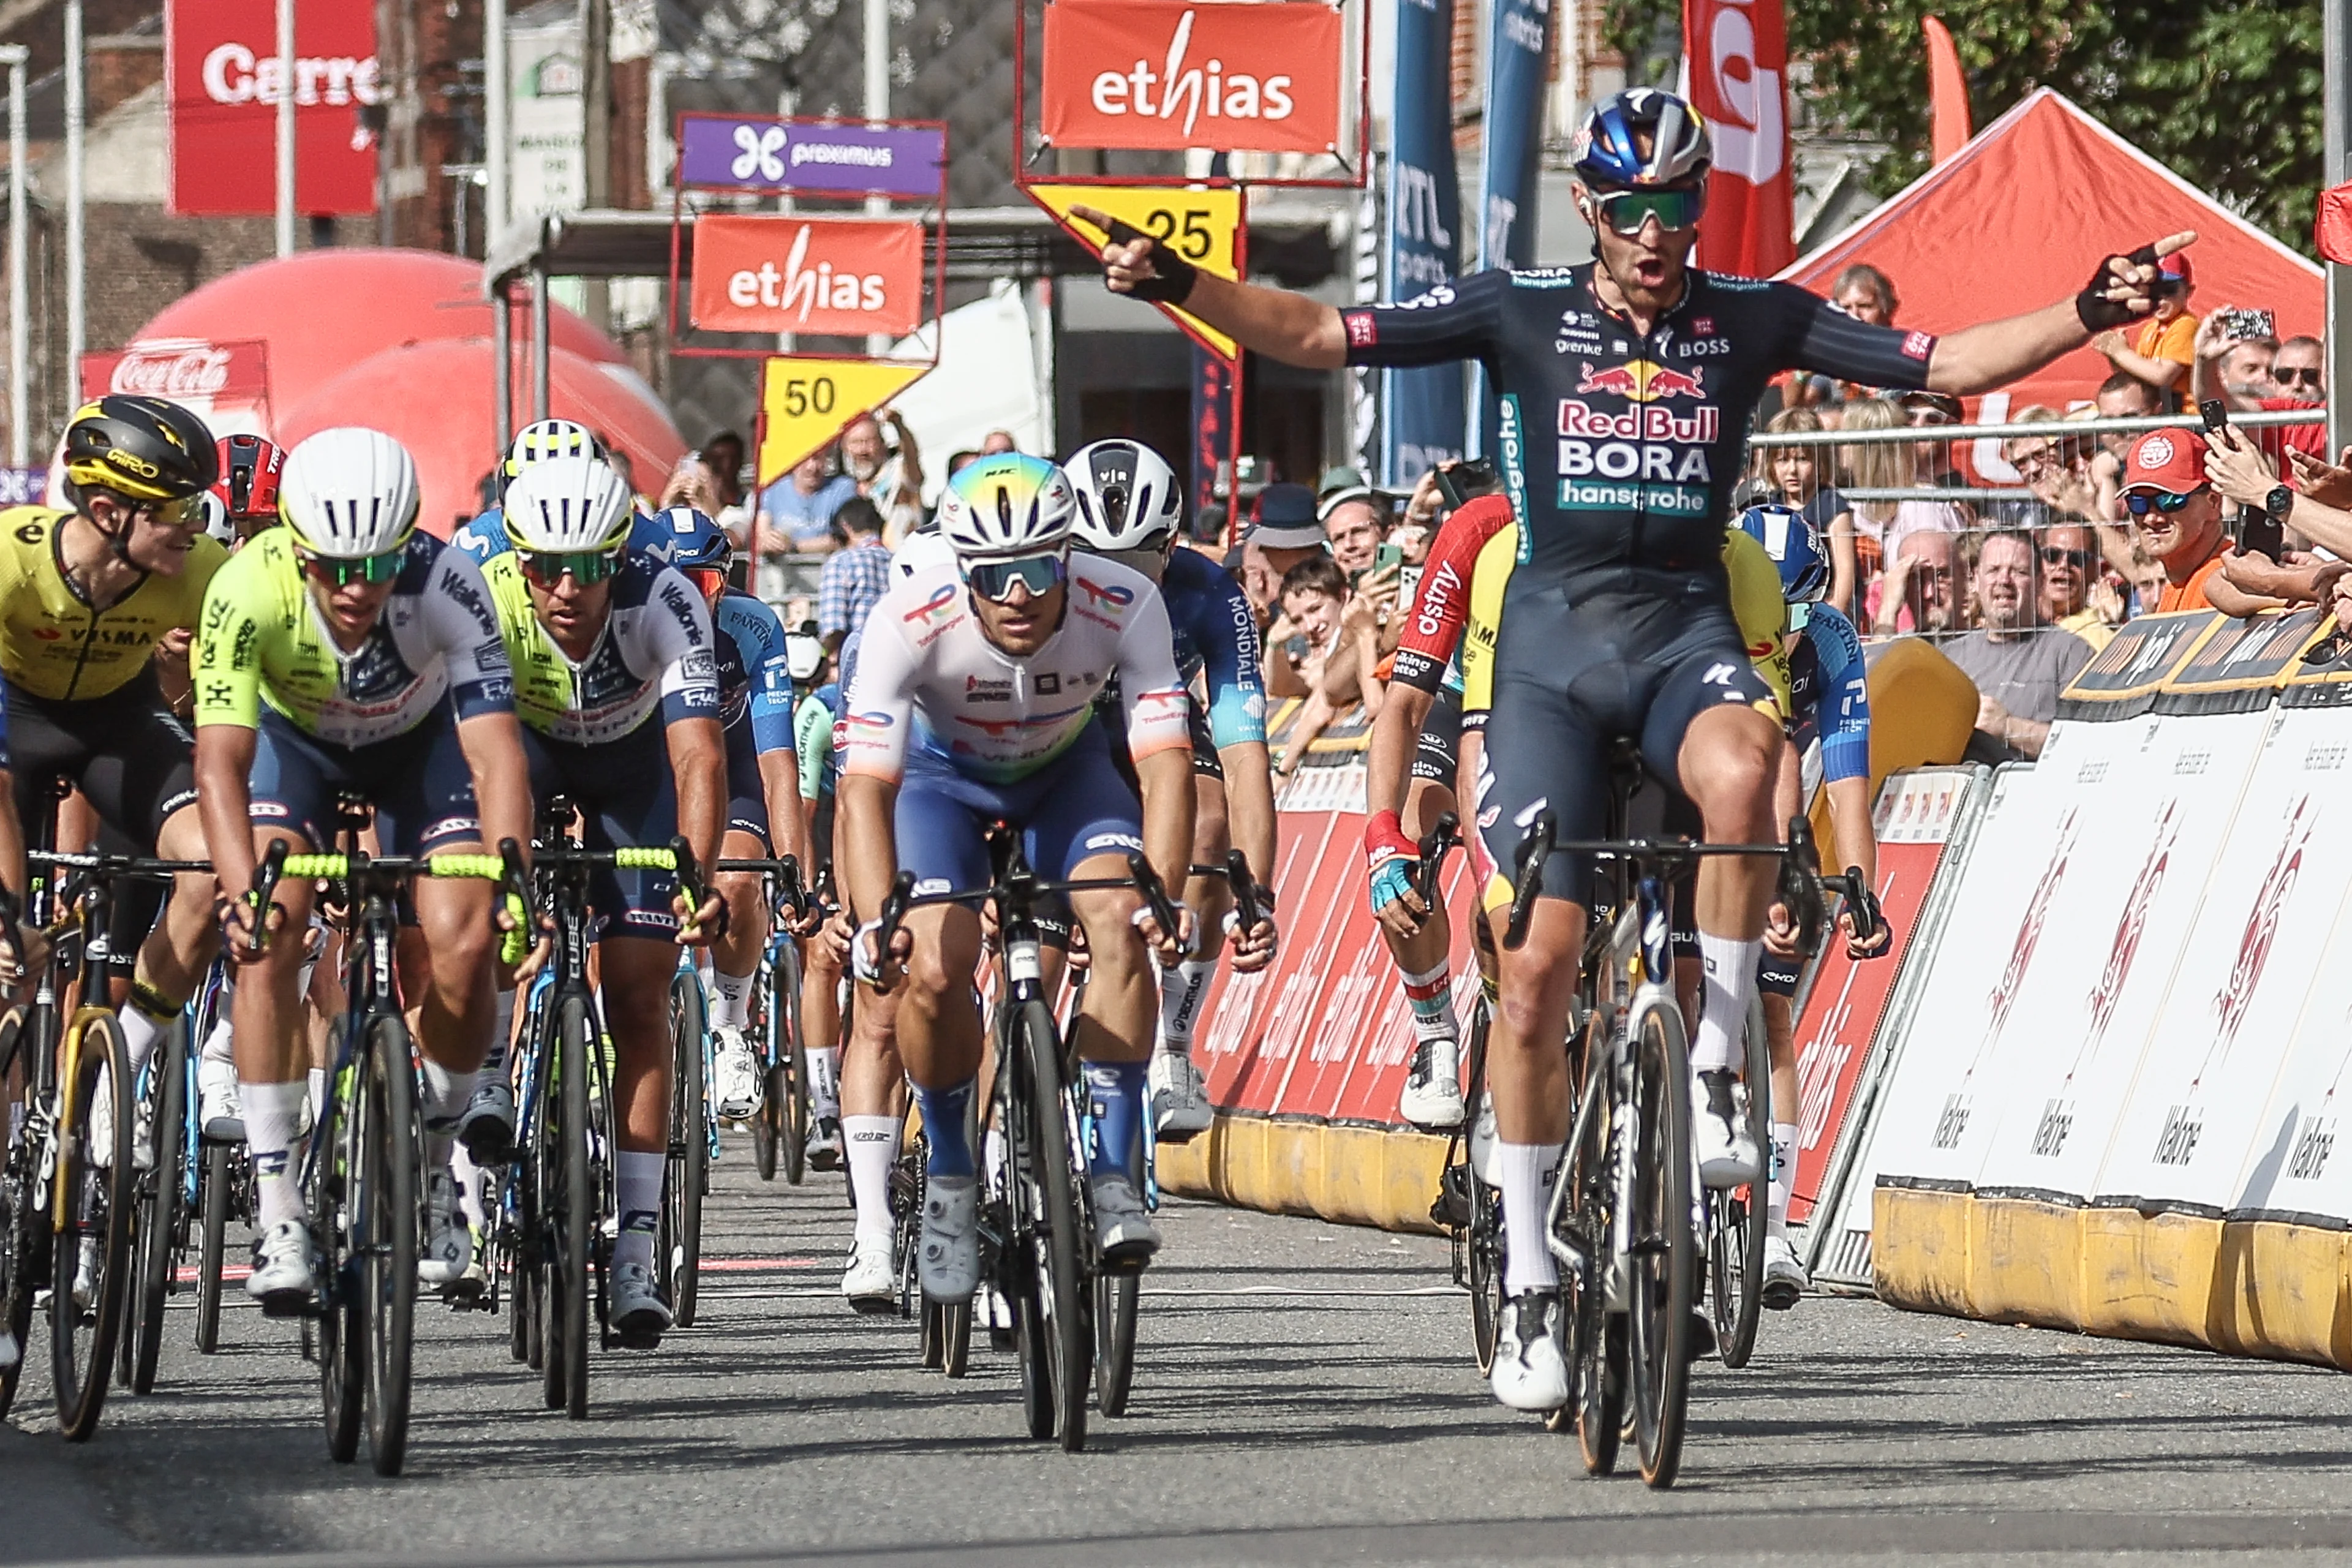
<point x="1216" y="641"/>
<point x="1829" y="693"/>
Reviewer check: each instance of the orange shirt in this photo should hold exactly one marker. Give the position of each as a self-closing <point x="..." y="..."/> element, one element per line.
<point x="2174" y="339"/>
<point x="2189" y="595"/>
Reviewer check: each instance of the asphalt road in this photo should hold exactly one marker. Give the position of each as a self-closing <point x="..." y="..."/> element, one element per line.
<point x="1305" y="1394"/>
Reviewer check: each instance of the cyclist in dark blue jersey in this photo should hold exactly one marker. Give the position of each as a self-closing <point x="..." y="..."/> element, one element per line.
<point x="1623" y="388"/>
<point x="1130" y="509"/>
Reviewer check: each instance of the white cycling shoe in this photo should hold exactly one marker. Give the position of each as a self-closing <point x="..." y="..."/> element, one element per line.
<point x="1433" y="1088"/>
<point x="1484" y="1141"/>
<point x="639" y="1315"/>
<point x="101" y="1133"/>
<point x="870" y="1285"/>
<point x="1179" y="1097"/>
<point x="219" y="1113"/>
<point x="735" y="1074"/>
<point x="281" y="1279"/>
<point x="1530" y="1373"/>
<point x="825" y="1142"/>
<point x="487" y="1126"/>
<point x="1785" y="1279"/>
<point x="449" y="1239"/>
<point x="1726" y="1146"/>
<point x="1123" y="1229"/>
<point x="949" y="1262"/>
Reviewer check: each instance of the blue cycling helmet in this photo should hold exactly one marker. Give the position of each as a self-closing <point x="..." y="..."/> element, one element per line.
<point x="694" y="539"/>
<point x="1788" y="537"/>
<point x="1607" y="151"/>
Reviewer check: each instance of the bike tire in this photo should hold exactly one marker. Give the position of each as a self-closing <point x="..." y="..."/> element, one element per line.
<point x="1596" y="1337"/>
<point x="1483" y="1242"/>
<point x="393" y="1210"/>
<point x="573" y="1210"/>
<point x="82" y="1345"/>
<point x="1020" y="1276"/>
<point x="1069" y="1340"/>
<point x="1738" y="1220"/>
<point x="211" y="1253"/>
<point x="955" y="1338"/>
<point x="1116" y="1297"/>
<point x="766" y="1126"/>
<point x="930" y="1335"/>
<point x="687" y="1176"/>
<point x="792" y="1128"/>
<point x="333" y="1193"/>
<point x="1666" y="1261"/>
<point x="162" y="1209"/>
<point x="24" y="1228"/>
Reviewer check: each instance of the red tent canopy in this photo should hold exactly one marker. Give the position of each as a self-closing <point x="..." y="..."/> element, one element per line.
<point x="2021" y="216"/>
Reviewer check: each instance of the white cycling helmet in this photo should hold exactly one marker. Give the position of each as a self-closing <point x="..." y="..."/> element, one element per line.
<point x="924" y="548"/>
<point x="545" y="439"/>
<point x="1127" y="497"/>
<point x="566" y="504"/>
<point x="349" y="492"/>
<point x="1009" y="504"/>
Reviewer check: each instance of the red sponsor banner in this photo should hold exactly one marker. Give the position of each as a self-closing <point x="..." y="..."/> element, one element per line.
<point x="226" y="81"/>
<point x="1735" y="66"/>
<point x="225" y="383"/>
<point x="836" y="277"/>
<point x="1161" y="75"/>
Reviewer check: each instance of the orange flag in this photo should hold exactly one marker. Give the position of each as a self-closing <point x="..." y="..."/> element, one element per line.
<point x="1948" y="93"/>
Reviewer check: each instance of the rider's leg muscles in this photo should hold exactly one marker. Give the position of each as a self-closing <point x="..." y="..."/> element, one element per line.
<point x="1780" y="1031"/>
<point x="1527" y="1069"/>
<point x="735" y="957"/>
<point x="171" y="961"/>
<point x="1729" y="758"/>
<point x="1113" y="1030"/>
<point x="272" y="1050"/>
<point x="1185" y="987"/>
<point x="453" y="943"/>
<point x="938" y="1030"/>
<point x="872" y="1109"/>
<point x="636" y="976"/>
<point x="821" y="1026"/>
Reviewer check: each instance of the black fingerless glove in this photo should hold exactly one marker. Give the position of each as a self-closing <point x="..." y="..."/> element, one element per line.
<point x="2091" y="306"/>
<point x="1174" y="284"/>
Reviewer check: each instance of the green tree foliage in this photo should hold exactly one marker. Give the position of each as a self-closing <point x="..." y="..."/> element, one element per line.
<point x="2225" y="92"/>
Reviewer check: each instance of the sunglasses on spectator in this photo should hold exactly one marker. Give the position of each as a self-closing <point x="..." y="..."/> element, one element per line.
<point x="342" y="571"/>
<point x="1675" y="207"/>
<point x="2051" y="556"/>
<point x="2139" y="503"/>
<point x="586" y="567"/>
<point x="2295" y="376"/>
<point x="993" y="580"/>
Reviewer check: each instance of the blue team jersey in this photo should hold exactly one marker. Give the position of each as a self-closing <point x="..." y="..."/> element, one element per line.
<point x="487" y="536"/>
<point x="755" y="682"/>
<point x="1828" y="691"/>
<point x="1216" y="637"/>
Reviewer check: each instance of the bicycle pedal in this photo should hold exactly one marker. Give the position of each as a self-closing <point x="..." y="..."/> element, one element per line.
<point x="1453" y="1209"/>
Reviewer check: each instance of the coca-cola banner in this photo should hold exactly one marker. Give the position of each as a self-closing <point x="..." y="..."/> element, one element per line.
<point x="226" y="78"/>
<point x="1735" y="72"/>
<point x="225" y="383"/>
<point x="1165" y="75"/>
<point x="845" y="277"/>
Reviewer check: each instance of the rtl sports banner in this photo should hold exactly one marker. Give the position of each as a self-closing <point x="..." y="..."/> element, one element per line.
<point x="834" y="277"/>
<point x="1517" y="64"/>
<point x="1161" y="75"/>
<point x="1425" y="232"/>
<point x="1736" y="71"/>
<point x="226" y="79"/>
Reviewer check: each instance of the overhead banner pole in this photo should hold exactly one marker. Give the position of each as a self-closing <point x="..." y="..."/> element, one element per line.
<point x="2337" y="34"/>
<point x="286" y="100"/>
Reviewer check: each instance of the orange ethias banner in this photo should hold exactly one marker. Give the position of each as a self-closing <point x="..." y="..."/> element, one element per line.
<point x="1257" y="77"/>
<point x="792" y="274"/>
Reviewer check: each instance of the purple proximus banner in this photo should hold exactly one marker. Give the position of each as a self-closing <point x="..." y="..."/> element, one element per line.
<point x="763" y="154"/>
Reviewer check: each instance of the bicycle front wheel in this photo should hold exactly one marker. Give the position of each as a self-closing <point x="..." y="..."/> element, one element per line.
<point x="89" y="1257"/>
<point x="688" y="1175"/>
<point x="569" y="1198"/>
<point x="1666" y="1252"/>
<point x="1067" y="1340"/>
<point x="1116" y="1297"/>
<point x="162" y="1207"/>
<point x="789" y="1086"/>
<point x="24" y="1227"/>
<point x="1736" y="1219"/>
<point x="390" y="1207"/>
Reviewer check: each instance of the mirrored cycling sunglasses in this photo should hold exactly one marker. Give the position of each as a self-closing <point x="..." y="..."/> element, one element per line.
<point x="342" y="571"/>
<point x="184" y="511"/>
<point x="993" y="580"/>
<point x="585" y="567"/>
<point x="709" y="581"/>
<point x="1675" y="207"/>
<point x="2139" y="503"/>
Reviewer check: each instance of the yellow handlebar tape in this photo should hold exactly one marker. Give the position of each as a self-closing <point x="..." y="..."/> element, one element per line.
<point x="310" y="867"/>
<point x="641" y="858"/>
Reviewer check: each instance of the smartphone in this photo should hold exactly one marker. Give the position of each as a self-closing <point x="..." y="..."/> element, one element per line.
<point x="1386" y="557"/>
<point x="1472" y="477"/>
<point x="2215" y="413"/>
<point x="2261" y="533"/>
<point x="2237" y="325"/>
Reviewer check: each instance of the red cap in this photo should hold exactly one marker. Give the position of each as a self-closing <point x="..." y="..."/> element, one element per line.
<point x="2177" y="265"/>
<point x="2171" y="459"/>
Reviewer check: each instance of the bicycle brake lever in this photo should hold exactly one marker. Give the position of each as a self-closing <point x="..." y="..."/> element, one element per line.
<point x="1527" y="869"/>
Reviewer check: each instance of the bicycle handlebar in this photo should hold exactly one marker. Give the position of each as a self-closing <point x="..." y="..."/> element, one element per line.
<point x="1248" y="906"/>
<point x="1155" y="895"/>
<point x="1526" y="876"/>
<point x="1444" y="835"/>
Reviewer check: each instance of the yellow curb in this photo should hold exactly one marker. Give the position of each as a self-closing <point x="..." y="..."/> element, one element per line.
<point x="1379" y="1177"/>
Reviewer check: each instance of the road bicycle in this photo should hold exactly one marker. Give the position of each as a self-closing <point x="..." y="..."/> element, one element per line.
<point x="780" y="1128"/>
<point x="1622" y="1216"/>
<point x="1036" y="1226"/>
<point x="362" y="1170"/>
<point x="221" y="1173"/>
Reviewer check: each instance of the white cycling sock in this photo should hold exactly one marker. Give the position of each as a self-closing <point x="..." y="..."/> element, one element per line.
<point x="1527" y="1172"/>
<point x="730" y="999"/>
<point x="1784" y="1173"/>
<point x="1431" y="996"/>
<point x="824" y="1080"/>
<point x="1179" y="1003"/>
<point x="316" y="1081"/>
<point x="272" y="1112"/>
<point x="1730" y="982"/>
<point x="872" y="1150"/>
<point x="141" y="1030"/>
<point x="220" y="1045"/>
<point x="637" y="1194"/>
<point x="445" y="1094"/>
<point x="469" y="1187"/>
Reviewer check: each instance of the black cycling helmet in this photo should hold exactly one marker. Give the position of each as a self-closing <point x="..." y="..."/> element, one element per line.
<point x="141" y="448"/>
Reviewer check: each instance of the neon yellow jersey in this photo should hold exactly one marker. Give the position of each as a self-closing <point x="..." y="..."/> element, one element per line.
<point x="656" y="651"/>
<point x="1755" y="601"/>
<point x="53" y="643"/>
<point x="264" y="642"/>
